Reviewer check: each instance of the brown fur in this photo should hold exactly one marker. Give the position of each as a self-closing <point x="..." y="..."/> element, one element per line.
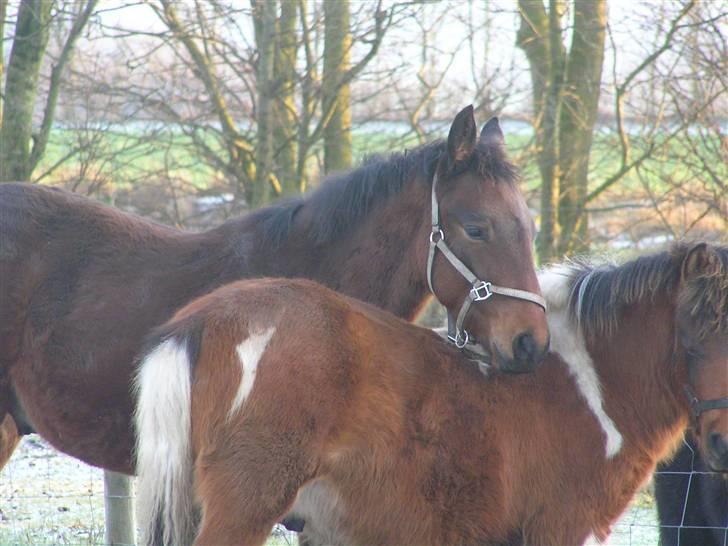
<point x="9" y="437"/>
<point x="81" y="284"/>
<point x="600" y="294"/>
<point x="420" y="447"/>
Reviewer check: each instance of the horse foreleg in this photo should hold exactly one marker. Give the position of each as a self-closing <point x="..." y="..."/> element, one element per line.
<point x="9" y="438"/>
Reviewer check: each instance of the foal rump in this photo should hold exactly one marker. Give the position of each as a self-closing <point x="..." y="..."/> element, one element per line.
<point x="196" y="405"/>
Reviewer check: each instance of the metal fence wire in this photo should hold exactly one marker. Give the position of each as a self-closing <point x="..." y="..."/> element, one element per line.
<point x="48" y="498"/>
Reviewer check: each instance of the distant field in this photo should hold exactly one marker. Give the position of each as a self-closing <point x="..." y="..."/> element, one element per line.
<point x="129" y="156"/>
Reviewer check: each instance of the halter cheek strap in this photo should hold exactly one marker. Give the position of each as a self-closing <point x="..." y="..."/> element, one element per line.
<point x="479" y="291"/>
<point x="698" y="406"/>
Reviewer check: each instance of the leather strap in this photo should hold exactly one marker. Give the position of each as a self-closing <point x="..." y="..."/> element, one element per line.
<point x="698" y="406"/>
<point x="480" y="290"/>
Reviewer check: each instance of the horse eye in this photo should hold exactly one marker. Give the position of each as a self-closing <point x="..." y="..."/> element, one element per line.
<point x="475" y="232"/>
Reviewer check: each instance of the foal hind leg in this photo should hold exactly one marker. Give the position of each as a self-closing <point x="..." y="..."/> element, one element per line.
<point x="246" y="486"/>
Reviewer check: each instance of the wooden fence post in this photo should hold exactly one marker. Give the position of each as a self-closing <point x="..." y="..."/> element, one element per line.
<point x="119" y="509"/>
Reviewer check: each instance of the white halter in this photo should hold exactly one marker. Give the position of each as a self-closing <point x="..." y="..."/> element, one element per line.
<point x="479" y="291"/>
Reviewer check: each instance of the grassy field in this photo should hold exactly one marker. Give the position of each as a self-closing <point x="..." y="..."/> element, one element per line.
<point x="130" y="156"/>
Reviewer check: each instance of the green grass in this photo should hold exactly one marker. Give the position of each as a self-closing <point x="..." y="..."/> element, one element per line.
<point x="129" y="157"/>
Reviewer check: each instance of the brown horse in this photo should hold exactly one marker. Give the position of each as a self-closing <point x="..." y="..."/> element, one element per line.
<point x="708" y="401"/>
<point x="273" y="397"/>
<point x="82" y="283"/>
<point x="693" y="508"/>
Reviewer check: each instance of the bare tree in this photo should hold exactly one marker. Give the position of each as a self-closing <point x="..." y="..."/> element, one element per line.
<point x="262" y="76"/>
<point x="18" y="158"/>
<point x="566" y="88"/>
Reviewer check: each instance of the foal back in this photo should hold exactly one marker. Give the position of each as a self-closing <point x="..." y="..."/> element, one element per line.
<point x="277" y="388"/>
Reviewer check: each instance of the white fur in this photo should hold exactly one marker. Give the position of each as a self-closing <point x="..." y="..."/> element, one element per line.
<point x="163" y="454"/>
<point x="554" y="282"/>
<point x="249" y="352"/>
<point x="321" y="507"/>
<point x="567" y="340"/>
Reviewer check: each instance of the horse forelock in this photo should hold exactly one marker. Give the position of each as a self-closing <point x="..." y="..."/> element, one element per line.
<point x="705" y="298"/>
<point x="344" y="199"/>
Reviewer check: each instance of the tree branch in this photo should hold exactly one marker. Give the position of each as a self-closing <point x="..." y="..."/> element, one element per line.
<point x="41" y="140"/>
<point x="169" y="16"/>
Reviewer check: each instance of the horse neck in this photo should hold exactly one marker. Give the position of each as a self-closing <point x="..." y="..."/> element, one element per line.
<point x="380" y="260"/>
<point x="637" y="412"/>
<point x="642" y="377"/>
<point x="641" y="381"/>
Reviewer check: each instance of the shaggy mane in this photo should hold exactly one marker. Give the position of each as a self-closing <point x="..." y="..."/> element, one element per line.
<point x="344" y="199"/>
<point x="599" y="292"/>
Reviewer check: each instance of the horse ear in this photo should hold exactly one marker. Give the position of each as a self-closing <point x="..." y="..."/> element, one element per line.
<point x="492" y="132"/>
<point x="461" y="140"/>
<point x="700" y="260"/>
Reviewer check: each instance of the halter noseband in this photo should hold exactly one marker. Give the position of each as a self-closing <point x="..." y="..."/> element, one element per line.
<point x="479" y="291"/>
<point x="698" y="406"/>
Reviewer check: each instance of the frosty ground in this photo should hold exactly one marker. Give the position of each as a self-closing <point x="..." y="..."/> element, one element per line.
<point x="51" y="499"/>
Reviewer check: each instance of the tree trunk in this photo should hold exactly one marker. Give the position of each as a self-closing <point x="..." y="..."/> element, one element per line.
<point x="337" y="43"/>
<point x="309" y="77"/>
<point x="3" y="12"/>
<point x="540" y="38"/>
<point x="26" y="55"/>
<point x="565" y="101"/>
<point x="284" y="106"/>
<point x="578" y="117"/>
<point x="265" y="33"/>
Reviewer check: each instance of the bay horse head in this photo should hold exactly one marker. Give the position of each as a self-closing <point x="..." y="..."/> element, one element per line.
<point x="480" y="263"/>
<point x="702" y="320"/>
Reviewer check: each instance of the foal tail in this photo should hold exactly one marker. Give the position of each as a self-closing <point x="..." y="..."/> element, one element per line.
<point x="163" y="448"/>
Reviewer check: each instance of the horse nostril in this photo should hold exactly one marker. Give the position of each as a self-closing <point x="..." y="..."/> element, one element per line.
<point x="718" y="446"/>
<point x="525" y="348"/>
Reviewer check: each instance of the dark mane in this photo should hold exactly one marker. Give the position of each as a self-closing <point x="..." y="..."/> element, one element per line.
<point x="600" y="292"/>
<point x="343" y="199"/>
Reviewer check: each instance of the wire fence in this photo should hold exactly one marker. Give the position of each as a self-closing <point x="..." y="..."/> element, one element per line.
<point x="51" y="499"/>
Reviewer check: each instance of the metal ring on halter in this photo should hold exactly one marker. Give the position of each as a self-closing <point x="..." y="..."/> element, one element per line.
<point x="436" y="232"/>
<point x="459" y="340"/>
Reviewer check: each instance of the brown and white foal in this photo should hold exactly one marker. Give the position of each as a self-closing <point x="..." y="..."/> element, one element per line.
<point x="275" y="397"/>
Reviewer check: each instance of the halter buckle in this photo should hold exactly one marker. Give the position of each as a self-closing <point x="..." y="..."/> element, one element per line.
<point x="436" y="235"/>
<point x="480" y="291"/>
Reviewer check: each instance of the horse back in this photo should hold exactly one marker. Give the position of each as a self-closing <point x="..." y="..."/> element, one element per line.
<point x="77" y="270"/>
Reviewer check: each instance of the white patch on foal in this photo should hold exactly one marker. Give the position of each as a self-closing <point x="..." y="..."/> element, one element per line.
<point x="249" y="352"/>
<point x="323" y="510"/>
<point x="567" y="339"/>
